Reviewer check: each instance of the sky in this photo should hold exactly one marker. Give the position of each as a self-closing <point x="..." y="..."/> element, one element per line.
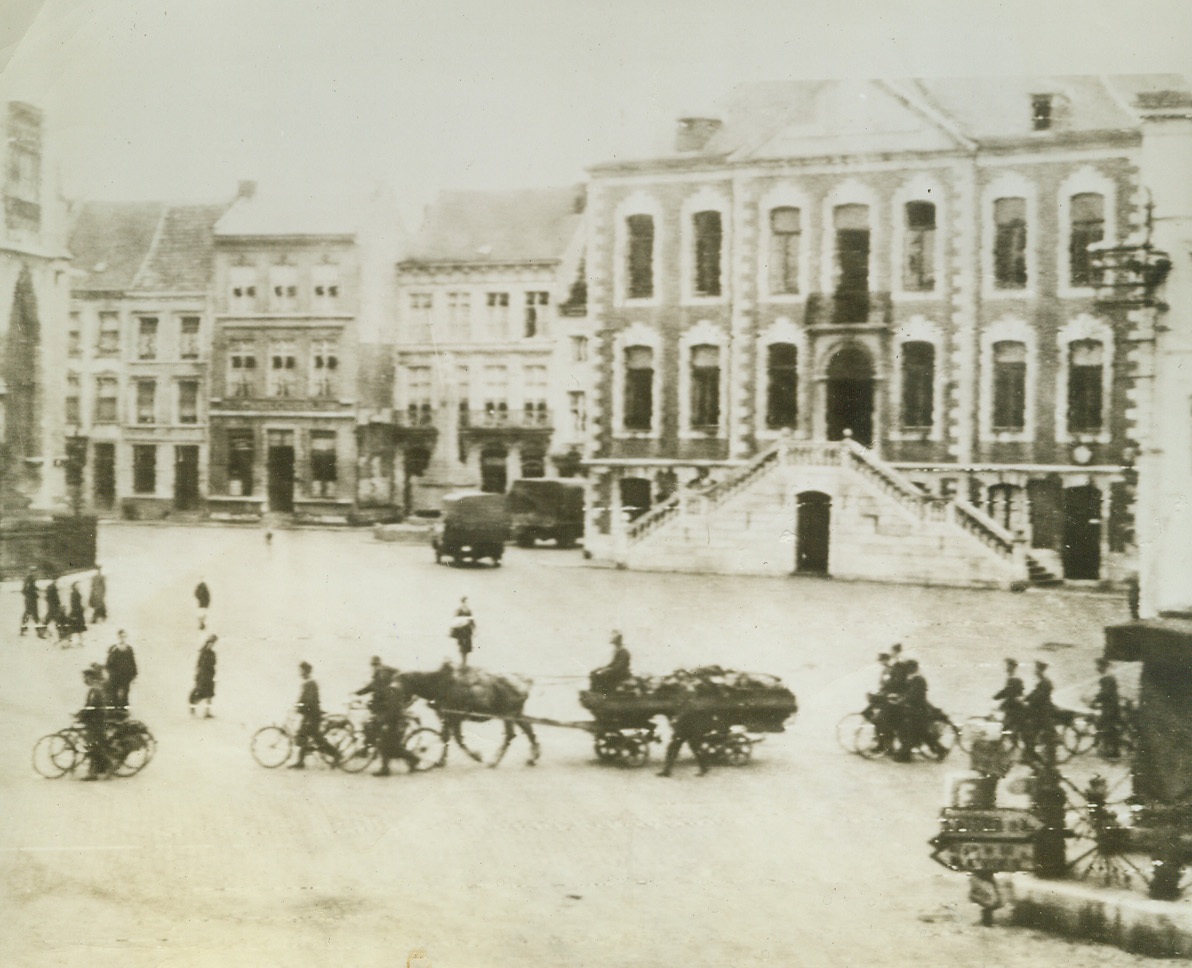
<point x="178" y="100"/>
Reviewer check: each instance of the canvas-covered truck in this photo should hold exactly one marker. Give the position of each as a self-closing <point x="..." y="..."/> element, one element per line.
<point x="473" y="526"/>
<point x="543" y="509"/>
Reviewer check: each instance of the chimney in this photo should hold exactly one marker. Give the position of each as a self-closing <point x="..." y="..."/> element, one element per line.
<point x="693" y="134"/>
<point x="246" y="189"/>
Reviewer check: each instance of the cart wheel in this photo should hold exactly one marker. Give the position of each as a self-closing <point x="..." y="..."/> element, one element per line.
<point x="1098" y="820"/>
<point x="428" y="746"/>
<point x="608" y="747"/>
<point x="634" y="751"/>
<point x="55" y="755"/>
<point x="271" y="746"/>
<point x="846" y="731"/>
<point x="738" y="750"/>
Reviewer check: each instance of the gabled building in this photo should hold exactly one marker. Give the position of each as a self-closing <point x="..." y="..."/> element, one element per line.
<point x="138" y="346"/>
<point x="492" y="376"/>
<point x="900" y="270"/>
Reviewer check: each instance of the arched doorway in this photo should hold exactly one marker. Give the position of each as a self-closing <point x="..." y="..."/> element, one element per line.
<point x="812" y="527"/>
<point x="1082" y="532"/>
<point x="850" y="395"/>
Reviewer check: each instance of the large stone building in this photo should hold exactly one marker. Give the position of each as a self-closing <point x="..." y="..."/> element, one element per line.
<point x="857" y="321"/>
<point x="34" y="300"/>
<point x="138" y="348"/>
<point x="492" y="378"/>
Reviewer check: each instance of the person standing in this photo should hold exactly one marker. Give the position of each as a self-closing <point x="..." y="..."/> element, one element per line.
<point x="121" y="667"/>
<point x="203" y="601"/>
<point x="29" y="594"/>
<point x="690" y="725"/>
<point x="463" y="626"/>
<point x="54" y="609"/>
<point x="204" y="688"/>
<point x="1108" y="703"/>
<point x="94" y="717"/>
<point x="77" y="620"/>
<point x="97" y="598"/>
<point x="310" y="733"/>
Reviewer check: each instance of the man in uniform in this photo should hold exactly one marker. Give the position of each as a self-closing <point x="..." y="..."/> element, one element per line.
<point x="690" y="725"/>
<point x="379" y="681"/>
<point x="606" y="678"/>
<point x="310" y="733"/>
<point x="122" y="669"/>
<point x="29" y="593"/>
<point x="390" y="715"/>
<point x="1040" y="710"/>
<point x="915" y="715"/>
<point x="1108" y="703"/>
<point x="1010" y="699"/>
<point x="94" y="717"/>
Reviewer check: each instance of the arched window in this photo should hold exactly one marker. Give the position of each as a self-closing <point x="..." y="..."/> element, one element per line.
<point x="918" y="384"/>
<point x="1009" y="385"/>
<point x="1009" y="245"/>
<point x="785" y="231"/>
<point x="918" y="265"/>
<point x="852" y="263"/>
<point x="708" y="236"/>
<point x="782" y="385"/>
<point x="1086" y="366"/>
<point x="640" y="255"/>
<point x="705" y="387"/>
<point x="639" y="388"/>
<point x="1087" y="214"/>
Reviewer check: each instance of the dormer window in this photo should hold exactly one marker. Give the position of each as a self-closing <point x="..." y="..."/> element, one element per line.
<point x="1041" y="111"/>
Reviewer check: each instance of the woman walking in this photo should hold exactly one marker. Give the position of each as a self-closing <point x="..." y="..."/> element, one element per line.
<point x="204" y="689"/>
<point x="76" y="621"/>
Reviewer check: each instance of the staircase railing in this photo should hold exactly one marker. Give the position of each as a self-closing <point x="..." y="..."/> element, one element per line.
<point x="979" y="524"/>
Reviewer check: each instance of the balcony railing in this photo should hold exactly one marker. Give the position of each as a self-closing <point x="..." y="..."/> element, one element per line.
<point x="496" y="419"/>
<point x="851" y="308"/>
<point x="1128" y="275"/>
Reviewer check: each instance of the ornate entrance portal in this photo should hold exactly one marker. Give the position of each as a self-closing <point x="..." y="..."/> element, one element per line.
<point x="849" y="396"/>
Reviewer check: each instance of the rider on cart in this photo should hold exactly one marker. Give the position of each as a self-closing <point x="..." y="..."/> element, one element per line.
<point x="607" y="678"/>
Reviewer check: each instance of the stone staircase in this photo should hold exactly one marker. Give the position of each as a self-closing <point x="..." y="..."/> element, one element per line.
<point x="882" y="527"/>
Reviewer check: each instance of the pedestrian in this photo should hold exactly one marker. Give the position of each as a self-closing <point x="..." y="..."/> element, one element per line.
<point x="379" y="679"/>
<point x="203" y="601"/>
<point x="77" y="619"/>
<point x="608" y="677"/>
<point x="1040" y="710"/>
<point x="94" y="717"/>
<point x="97" y="598"/>
<point x="310" y="733"/>
<point x="915" y="716"/>
<point x="121" y="667"/>
<point x="1010" y="696"/>
<point x="204" y="688"/>
<point x="54" y="609"/>
<point x="1108" y="703"/>
<point x="463" y="626"/>
<point x="691" y="725"/>
<point x="29" y="594"/>
<point x="390" y="702"/>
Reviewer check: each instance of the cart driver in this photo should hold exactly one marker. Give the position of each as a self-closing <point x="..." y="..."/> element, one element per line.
<point x="608" y="677"/>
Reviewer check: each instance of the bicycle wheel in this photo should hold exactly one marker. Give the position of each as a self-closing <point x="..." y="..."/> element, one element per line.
<point x="944" y="736"/>
<point x="428" y="748"/>
<point x="55" y="755"/>
<point x="846" y="731"/>
<point x="356" y="754"/>
<point x="271" y="746"/>
<point x="866" y="742"/>
<point x="132" y="749"/>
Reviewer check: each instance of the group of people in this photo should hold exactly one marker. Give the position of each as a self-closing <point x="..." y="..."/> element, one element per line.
<point x="67" y="623"/>
<point x="900" y="711"/>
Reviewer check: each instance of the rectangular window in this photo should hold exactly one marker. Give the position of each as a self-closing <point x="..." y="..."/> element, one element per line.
<point x="782" y="385"/>
<point x="72" y="400"/>
<point x="534" y="396"/>
<point x="918" y="269"/>
<point x="852" y="264"/>
<point x="144" y="468"/>
<point x="705" y="387"/>
<point x="1009" y="386"/>
<point x="146" y="402"/>
<point x="147" y="338"/>
<point x="240" y="460"/>
<point x="1086" y="367"/>
<point x="578" y="405"/>
<point x="322" y="463"/>
<point x="1041" y="105"/>
<point x="418" y="396"/>
<point x="496" y="395"/>
<point x="785" y="236"/>
<point x="536" y="303"/>
<point x="325" y="283"/>
<point x="639" y="388"/>
<point x="107" y="399"/>
<point x="242" y="285"/>
<point x="497" y="305"/>
<point x="109" y="334"/>
<point x="459" y="316"/>
<point x="188" y="401"/>
<point x="1009" y="246"/>
<point x="421" y="310"/>
<point x="708" y="238"/>
<point x="640" y="230"/>
<point x="1087" y="226"/>
<point x="918" y="384"/>
<point x="324" y="368"/>
<point x="242" y="368"/>
<point x="188" y="338"/>
<point x="283" y="365"/>
<point x="283" y="288"/>
<point x="579" y="349"/>
<point x="74" y="336"/>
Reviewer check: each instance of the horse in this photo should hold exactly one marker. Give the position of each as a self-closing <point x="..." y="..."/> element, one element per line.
<point x="474" y="695"/>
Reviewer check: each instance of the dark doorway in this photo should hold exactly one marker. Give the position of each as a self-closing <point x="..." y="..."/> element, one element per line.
<point x="812" y="528"/>
<point x="850" y="395"/>
<point x="104" y="470"/>
<point x="635" y="496"/>
<point x="494" y="472"/>
<point x="281" y="471"/>
<point x="186" y="477"/>
<point x="1082" y="532"/>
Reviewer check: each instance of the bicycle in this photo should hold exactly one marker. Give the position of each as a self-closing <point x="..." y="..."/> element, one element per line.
<point x="941" y="736"/>
<point x="130" y="747"/>
<point x="362" y="747"/>
<point x="1085" y="731"/>
<point x="272" y="746"/>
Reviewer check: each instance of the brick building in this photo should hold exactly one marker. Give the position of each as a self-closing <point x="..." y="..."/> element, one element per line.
<point x="492" y="378"/>
<point x="898" y="269"/>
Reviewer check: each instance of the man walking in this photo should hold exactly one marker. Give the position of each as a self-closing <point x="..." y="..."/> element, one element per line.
<point x="121" y="666"/>
<point x="310" y="733"/>
<point x="29" y="594"/>
<point x="1040" y="710"/>
<point x="54" y="609"/>
<point x="204" y="687"/>
<point x="97" y="598"/>
<point x="462" y="628"/>
<point x="690" y="725"/>
<point x="1010" y="699"/>
<point x="203" y="601"/>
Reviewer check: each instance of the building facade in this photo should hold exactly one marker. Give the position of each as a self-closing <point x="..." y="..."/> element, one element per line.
<point x="492" y="375"/>
<point x="906" y="264"/>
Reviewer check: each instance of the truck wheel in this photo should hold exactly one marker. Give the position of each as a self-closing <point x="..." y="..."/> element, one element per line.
<point x="525" y="540"/>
